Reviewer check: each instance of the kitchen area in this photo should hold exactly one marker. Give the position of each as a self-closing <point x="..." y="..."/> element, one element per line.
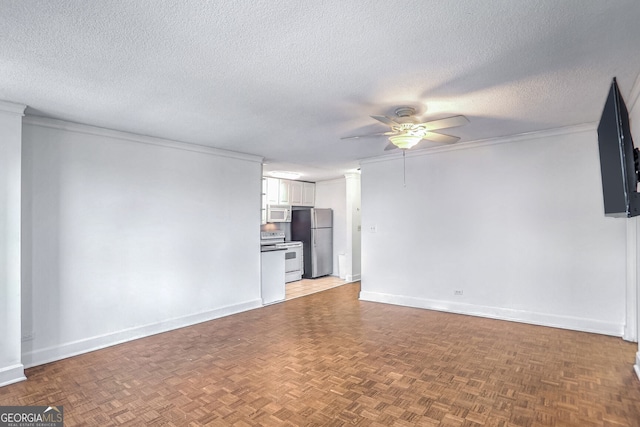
<point x="296" y="238"/>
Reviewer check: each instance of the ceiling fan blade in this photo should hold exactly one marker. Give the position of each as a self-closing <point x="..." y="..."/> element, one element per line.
<point x="449" y="122"/>
<point x="390" y="146"/>
<point x="366" y="136"/>
<point x="440" y="137"/>
<point x="386" y="120"/>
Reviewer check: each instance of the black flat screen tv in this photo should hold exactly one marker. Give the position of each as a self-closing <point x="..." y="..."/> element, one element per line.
<point x="618" y="158"/>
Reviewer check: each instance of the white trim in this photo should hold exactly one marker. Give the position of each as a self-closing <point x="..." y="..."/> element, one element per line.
<point x="12" y="374"/>
<point x="631" y="303"/>
<point x="51" y="354"/>
<point x="12" y="108"/>
<point x="352" y="175"/>
<point x="586" y="127"/>
<point x="143" y="139"/>
<point x="636" y="367"/>
<point x="352" y="278"/>
<point x="331" y="181"/>
<point x="521" y="316"/>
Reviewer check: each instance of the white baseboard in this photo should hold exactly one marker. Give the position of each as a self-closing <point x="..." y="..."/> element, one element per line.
<point x="521" y="316"/>
<point x="352" y="278"/>
<point x="51" y="354"/>
<point x="12" y="374"/>
<point x="636" y="367"/>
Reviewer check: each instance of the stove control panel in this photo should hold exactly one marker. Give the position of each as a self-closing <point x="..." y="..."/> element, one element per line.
<point x="272" y="235"/>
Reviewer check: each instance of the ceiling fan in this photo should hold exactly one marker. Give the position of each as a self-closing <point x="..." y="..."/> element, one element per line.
<point x="407" y="131"/>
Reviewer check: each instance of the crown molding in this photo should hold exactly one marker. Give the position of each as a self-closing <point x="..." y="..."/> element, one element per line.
<point x="352" y="175"/>
<point x="132" y="137"/>
<point x="340" y="179"/>
<point x="470" y="145"/>
<point x="12" y="108"/>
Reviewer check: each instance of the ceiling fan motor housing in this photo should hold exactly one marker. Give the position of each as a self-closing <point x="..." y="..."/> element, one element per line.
<point x="405" y="111"/>
<point x="406" y="115"/>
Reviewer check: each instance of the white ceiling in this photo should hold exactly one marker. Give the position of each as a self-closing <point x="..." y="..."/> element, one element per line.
<point x="286" y="79"/>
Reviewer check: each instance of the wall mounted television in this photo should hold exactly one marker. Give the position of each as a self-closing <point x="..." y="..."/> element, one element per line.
<point x="618" y="158"/>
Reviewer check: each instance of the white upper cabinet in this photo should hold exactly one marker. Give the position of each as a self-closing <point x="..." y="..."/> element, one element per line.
<point x="292" y="193"/>
<point x="285" y="190"/>
<point x="308" y="194"/>
<point x="273" y="191"/>
<point x="263" y="199"/>
<point x="295" y="193"/>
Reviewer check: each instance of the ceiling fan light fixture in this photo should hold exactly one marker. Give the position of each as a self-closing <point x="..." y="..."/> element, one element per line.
<point x="404" y="141"/>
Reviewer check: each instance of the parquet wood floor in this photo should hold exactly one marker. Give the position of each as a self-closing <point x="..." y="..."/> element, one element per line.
<point x="328" y="359"/>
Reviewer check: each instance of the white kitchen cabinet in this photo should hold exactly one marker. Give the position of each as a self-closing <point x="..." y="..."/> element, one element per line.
<point x="287" y="192"/>
<point x="273" y="191"/>
<point x="272" y="274"/>
<point x="263" y="202"/>
<point x="296" y="193"/>
<point x="283" y="197"/>
<point x="308" y="194"/>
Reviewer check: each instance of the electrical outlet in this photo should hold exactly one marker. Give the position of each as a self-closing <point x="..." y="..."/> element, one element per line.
<point x="373" y="228"/>
<point x="458" y="292"/>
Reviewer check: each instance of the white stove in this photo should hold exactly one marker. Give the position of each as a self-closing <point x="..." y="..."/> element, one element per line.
<point x="289" y="245"/>
<point x="293" y="262"/>
<point x="269" y="239"/>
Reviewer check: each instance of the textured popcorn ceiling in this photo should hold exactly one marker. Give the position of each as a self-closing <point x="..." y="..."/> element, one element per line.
<point x="287" y="79"/>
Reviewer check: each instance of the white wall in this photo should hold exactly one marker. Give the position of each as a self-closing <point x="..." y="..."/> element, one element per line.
<point x="516" y="224"/>
<point x="634" y="122"/>
<point x="125" y="236"/>
<point x="333" y="194"/>
<point x="11" y="368"/>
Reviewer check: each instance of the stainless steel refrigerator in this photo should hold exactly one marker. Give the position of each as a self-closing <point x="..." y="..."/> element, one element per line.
<point x="314" y="228"/>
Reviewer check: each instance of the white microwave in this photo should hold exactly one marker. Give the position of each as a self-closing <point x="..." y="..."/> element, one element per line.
<point x="278" y="213"/>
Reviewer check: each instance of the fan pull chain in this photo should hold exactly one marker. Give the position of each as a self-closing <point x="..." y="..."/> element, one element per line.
<point x="404" y="169"/>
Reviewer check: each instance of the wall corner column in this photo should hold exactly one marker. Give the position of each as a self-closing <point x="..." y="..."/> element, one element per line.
<point x="632" y="259"/>
<point x="631" y="293"/>
<point x="352" y="272"/>
<point x="11" y="367"/>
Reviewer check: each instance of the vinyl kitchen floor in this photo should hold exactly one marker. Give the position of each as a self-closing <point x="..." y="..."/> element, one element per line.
<point x="304" y="287"/>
